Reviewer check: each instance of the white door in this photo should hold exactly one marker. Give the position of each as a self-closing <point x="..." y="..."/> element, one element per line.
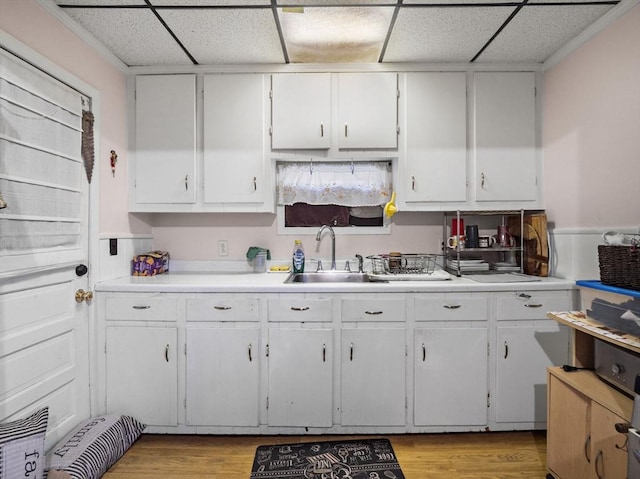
<point x="44" y="332"/>
<point x="300" y="377"/>
<point x="373" y="377"/>
<point x="223" y="376"/>
<point x="451" y="384"/>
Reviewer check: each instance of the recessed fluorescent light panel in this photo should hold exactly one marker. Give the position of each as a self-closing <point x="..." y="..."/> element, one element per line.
<point x="335" y="34"/>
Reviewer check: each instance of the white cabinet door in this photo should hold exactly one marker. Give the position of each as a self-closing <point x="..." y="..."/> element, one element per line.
<point x="301" y="111"/>
<point x="367" y="110"/>
<point x="523" y="354"/>
<point x="165" y="135"/>
<point x="436" y="158"/>
<point x="505" y="136"/>
<point x="234" y="170"/>
<point x="300" y="377"/>
<point x="373" y="377"/>
<point x="223" y="376"/>
<point x="450" y="383"/>
<point x="142" y="374"/>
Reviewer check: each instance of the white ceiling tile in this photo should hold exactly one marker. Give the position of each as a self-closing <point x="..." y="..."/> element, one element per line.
<point x="227" y="36"/>
<point x="135" y="36"/>
<point x="157" y="3"/>
<point x="342" y="3"/>
<point x="336" y="34"/>
<point x="458" y="2"/>
<point x="537" y="32"/>
<point x="443" y="34"/>
<point x="101" y="2"/>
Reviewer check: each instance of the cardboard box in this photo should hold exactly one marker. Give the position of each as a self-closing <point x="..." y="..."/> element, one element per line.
<point x="150" y="264"/>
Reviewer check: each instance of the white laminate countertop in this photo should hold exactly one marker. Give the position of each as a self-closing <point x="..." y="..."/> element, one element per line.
<point x="203" y="282"/>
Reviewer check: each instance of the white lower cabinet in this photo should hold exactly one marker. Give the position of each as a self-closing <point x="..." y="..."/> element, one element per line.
<point x="300" y="370"/>
<point x="373" y="388"/>
<point x="223" y="376"/>
<point x="450" y="377"/>
<point x="527" y="342"/>
<point x="451" y="363"/>
<point x="142" y="373"/>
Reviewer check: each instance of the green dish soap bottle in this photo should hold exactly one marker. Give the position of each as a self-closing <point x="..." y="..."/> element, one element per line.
<point x="298" y="257"/>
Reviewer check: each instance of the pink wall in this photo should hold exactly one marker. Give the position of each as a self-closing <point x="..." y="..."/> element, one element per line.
<point x="591" y="130"/>
<point x="29" y="23"/>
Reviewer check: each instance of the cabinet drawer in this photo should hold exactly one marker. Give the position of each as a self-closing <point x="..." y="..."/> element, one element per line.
<point x="141" y="307"/>
<point x="223" y="308"/>
<point x="373" y="309"/>
<point x="451" y="307"/>
<point x="531" y="304"/>
<point x="300" y="309"/>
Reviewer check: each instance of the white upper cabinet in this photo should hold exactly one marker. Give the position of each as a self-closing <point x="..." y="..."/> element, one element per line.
<point x="165" y="122"/>
<point x="505" y="136"/>
<point x="301" y="111"/>
<point x="367" y="110"/>
<point x="436" y="137"/>
<point x="234" y="166"/>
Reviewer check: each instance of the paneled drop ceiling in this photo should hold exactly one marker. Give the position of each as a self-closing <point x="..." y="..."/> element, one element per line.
<point x="216" y="32"/>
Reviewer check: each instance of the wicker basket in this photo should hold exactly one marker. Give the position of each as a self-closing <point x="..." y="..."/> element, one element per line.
<point x="620" y="266"/>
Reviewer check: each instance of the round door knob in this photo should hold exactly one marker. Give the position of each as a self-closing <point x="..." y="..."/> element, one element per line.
<point x="82" y="295"/>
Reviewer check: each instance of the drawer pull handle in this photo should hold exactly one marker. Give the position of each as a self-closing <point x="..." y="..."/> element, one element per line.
<point x="598" y="466"/>
<point x="346" y="131"/>
<point x="166" y="353"/>
<point x="413" y="183"/>
<point x="424" y="353"/>
<point x="324" y="353"/>
<point x="587" y="447"/>
<point x="506" y="349"/>
<point x="255" y="184"/>
<point x="250" y="357"/>
<point x="452" y="306"/>
<point x="186" y="182"/>
<point x="296" y="308"/>
<point x="373" y="313"/>
<point x="321" y="130"/>
<point x="222" y="308"/>
<point x="524" y="295"/>
<point x="537" y="305"/>
<point x="351" y="352"/>
<point x="141" y="307"/>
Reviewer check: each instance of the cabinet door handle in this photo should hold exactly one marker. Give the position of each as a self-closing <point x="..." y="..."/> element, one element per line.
<point x="413" y="183"/>
<point x="452" y="306"/>
<point x="373" y="313"/>
<point x="524" y="295"/>
<point x="587" y="446"/>
<point x="346" y="131"/>
<point x="598" y="466"/>
<point x="222" y="308"/>
<point x="297" y="308"/>
<point x="424" y="353"/>
<point x="141" y="307"/>
<point x="536" y="305"/>
<point x="351" y="352"/>
<point x="255" y="184"/>
<point x="250" y="357"/>
<point x="506" y="349"/>
<point x="186" y="182"/>
<point x="321" y="130"/>
<point x="482" y="181"/>
<point x="166" y="353"/>
<point x="324" y="353"/>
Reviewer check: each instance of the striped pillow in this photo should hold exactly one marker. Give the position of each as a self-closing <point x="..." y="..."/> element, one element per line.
<point x="93" y="446"/>
<point x="22" y="446"/>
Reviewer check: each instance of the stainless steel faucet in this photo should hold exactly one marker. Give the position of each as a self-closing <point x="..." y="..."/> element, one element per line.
<point x="333" y="243"/>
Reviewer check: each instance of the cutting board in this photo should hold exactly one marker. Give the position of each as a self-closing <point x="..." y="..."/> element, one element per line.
<point x="534" y="241"/>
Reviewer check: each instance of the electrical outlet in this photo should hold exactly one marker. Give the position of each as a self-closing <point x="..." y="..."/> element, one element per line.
<point x="223" y="247"/>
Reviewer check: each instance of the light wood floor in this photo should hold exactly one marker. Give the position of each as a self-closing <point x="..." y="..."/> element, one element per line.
<point x="484" y="455"/>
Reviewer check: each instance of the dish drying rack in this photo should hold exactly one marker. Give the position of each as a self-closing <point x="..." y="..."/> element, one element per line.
<point x="410" y="263"/>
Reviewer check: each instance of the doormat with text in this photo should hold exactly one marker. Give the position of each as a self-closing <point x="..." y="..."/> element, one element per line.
<point x="347" y="459"/>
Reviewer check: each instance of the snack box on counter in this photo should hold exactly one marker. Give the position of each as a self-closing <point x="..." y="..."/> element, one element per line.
<point x="616" y="308"/>
<point x="150" y="264"/>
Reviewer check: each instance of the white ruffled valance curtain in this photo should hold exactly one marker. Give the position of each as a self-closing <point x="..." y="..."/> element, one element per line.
<point x="336" y="183"/>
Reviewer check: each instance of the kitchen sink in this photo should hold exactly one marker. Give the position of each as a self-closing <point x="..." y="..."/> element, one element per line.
<point x="329" y="277"/>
